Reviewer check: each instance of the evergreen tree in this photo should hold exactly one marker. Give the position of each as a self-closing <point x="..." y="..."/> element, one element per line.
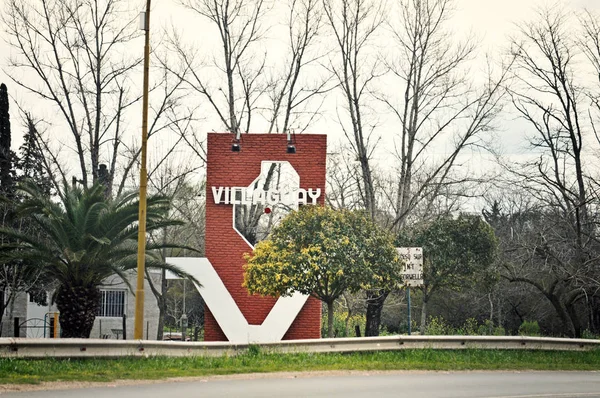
<point x="15" y="276"/>
<point x="6" y="180"/>
<point x="31" y="163"/>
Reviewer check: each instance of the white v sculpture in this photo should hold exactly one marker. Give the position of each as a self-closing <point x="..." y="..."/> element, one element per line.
<point x="226" y="312"/>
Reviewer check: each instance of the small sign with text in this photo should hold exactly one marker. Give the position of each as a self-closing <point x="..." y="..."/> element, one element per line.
<point x="412" y="271"/>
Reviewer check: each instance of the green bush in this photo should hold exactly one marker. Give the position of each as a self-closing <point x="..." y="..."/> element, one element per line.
<point x="469" y="328"/>
<point x="499" y="331"/>
<point x="383" y="331"/>
<point x="529" y="328"/>
<point x="488" y="329"/>
<point x="588" y="334"/>
<point x="339" y="324"/>
<point x="438" y="326"/>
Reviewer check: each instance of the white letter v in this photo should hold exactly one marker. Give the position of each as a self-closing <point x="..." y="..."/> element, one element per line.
<point x="227" y="313"/>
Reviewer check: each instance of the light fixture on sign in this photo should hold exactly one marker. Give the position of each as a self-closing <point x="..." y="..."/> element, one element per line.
<point x="235" y="146"/>
<point x="291" y="148"/>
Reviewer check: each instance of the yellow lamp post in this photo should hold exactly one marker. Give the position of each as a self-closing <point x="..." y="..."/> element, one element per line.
<point x="138" y="331"/>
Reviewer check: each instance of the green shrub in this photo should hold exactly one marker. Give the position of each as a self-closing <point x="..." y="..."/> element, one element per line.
<point x="437" y="326"/>
<point x="499" y="331"/>
<point x="587" y="334"/>
<point x="488" y="329"/>
<point x="339" y="324"/>
<point x="529" y="328"/>
<point x="469" y="328"/>
<point x="383" y="331"/>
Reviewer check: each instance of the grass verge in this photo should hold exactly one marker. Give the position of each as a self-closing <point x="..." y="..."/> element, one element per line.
<point x="20" y="371"/>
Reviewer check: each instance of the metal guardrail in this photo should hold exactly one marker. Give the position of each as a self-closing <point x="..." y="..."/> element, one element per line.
<point x="82" y="348"/>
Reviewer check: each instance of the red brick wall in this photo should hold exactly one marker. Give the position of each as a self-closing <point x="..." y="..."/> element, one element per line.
<point x="225" y="248"/>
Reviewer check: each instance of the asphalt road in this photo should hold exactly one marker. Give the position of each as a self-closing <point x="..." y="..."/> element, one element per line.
<point x="363" y="385"/>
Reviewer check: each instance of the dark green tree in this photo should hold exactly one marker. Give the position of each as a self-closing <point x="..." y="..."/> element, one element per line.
<point x="6" y="156"/>
<point x="11" y="278"/>
<point x="455" y="250"/>
<point x="31" y="163"/>
<point x="81" y="241"/>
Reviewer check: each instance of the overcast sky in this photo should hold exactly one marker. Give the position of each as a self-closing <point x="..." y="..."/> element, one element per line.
<point x="490" y="20"/>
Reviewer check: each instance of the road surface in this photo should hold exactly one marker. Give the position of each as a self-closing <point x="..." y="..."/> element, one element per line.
<point x="358" y="384"/>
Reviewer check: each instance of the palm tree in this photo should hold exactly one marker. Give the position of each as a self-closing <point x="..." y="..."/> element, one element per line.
<point x="80" y="241"/>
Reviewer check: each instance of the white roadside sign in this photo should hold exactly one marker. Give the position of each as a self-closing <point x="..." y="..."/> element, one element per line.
<point x="412" y="271"/>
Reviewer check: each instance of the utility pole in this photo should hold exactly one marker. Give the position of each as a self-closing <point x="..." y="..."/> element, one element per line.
<point x="138" y="331"/>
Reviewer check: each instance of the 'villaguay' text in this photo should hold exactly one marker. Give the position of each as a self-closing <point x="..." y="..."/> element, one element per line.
<point x="247" y="196"/>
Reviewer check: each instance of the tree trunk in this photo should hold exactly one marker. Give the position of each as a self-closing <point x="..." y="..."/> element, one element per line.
<point x="348" y="315"/>
<point x="424" y="312"/>
<point x="330" y="319"/>
<point x="375" y="300"/>
<point x="491" y="301"/>
<point x="78" y="306"/>
<point x="574" y="317"/>
<point x="594" y="310"/>
<point x="561" y="311"/>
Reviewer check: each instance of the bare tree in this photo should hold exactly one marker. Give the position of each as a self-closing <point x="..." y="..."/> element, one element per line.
<point x="291" y="92"/>
<point x="67" y="47"/>
<point x="561" y="256"/>
<point x="590" y="45"/>
<point x="439" y="102"/>
<point x="239" y="25"/>
<point x="173" y="117"/>
<point x="343" y="181"/>
<point x="71" y="54"/>
<point x="283" y="98"/>
<point x="354" y="24"/>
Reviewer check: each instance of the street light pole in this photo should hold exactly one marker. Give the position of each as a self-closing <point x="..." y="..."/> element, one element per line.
<point x="138" y="331"/>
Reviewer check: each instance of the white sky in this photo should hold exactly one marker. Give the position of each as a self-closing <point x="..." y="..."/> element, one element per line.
<point x="491" y="20"/>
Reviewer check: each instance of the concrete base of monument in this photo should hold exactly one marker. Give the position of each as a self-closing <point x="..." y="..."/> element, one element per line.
<point x="227" y="313"/>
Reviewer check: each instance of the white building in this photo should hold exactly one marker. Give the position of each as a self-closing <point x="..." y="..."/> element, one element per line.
<point x="35" y="320"/>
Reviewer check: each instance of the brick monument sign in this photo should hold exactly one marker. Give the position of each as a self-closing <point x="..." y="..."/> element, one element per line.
<point x="263" y="171"/>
